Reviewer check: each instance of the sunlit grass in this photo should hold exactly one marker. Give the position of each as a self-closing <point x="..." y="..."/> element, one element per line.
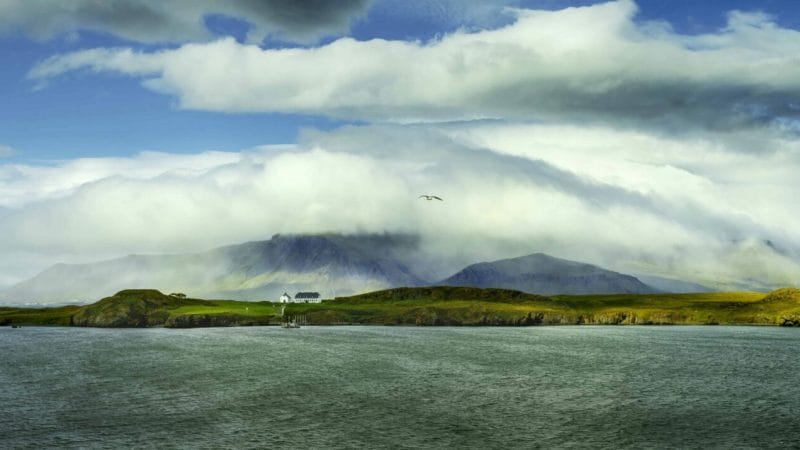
<point x="389" y="307"/>
<point x="251" y="309"/>
<point x="38" y="316"/>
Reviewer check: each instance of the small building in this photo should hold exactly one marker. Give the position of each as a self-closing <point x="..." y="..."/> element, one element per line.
<point x="286" y="298"/>
<point x="307" y="297"/>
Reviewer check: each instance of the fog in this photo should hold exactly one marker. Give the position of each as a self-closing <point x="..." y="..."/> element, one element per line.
<point x="584" y="133"/>
<point x="632" y="202"/>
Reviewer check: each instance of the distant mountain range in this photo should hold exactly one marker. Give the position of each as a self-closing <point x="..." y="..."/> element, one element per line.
<point x="332" y="264"/>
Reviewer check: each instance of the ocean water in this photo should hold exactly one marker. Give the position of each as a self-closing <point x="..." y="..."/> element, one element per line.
<point x="398" y="387"/>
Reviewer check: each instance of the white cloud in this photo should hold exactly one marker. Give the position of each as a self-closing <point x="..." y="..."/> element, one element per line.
<point x="729" y="204"/>
<point x="592" y="63"/>
<point x="620" y="143"/>
<point x="6" y="150"/>
<point x="635" y="202"/>
<point x="21" y="184"/>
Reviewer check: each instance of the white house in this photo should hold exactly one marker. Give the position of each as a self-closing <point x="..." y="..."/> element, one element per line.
<point x="286" y="298"/>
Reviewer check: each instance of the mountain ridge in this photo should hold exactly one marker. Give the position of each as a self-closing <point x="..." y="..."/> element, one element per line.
<point x="329" y="263"/>
<point x="340" y="264"/>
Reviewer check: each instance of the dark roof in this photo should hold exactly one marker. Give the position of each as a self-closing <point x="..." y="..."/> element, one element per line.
<point x="307" y="295"/>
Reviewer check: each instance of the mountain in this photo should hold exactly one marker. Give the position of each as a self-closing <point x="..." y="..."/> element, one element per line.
<point x="545" y="275"/>
<point x="331" y="264"/>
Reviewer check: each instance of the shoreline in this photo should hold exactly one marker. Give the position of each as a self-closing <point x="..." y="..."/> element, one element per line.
<point x="429" y="306"/>
<point x="364" y="325"/>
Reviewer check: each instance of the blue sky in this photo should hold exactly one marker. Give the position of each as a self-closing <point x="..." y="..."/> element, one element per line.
<point x="655" y="137"/>
<point x="94" y="115"/>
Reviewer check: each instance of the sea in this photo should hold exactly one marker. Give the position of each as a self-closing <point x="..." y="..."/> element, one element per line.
<point x="400" y="387"/>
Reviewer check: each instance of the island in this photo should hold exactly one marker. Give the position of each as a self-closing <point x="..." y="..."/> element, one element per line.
<point x="431" y="306"/>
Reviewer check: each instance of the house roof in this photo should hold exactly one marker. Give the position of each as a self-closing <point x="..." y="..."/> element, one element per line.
<point x="307" y="295"/>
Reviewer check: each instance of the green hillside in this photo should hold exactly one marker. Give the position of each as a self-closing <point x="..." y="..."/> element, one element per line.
<point x="37" y="316"/>
<point x="427" y="306"/>
<point x="148" y="308"/>
<point x="471" y="306"/>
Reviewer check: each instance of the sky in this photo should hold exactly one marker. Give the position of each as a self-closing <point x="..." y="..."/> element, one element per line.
<point x="651" y="137"/>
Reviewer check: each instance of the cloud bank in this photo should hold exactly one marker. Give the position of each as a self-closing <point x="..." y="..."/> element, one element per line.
<point x="591" y="64"/>
<point x="581" y="133"/>
<point x="162" y="21"/>
<point x="632" y="201"/>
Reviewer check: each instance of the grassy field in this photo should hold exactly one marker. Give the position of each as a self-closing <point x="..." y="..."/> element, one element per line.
<point x="37" y="316"/>
<point x="225" y="312"/>
<point x="427" y="306"/>
<point x="245" y="309"/>
<point x="463" y="306"/>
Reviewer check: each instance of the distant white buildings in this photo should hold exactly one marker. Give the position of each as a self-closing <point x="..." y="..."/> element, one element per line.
<point x="307" y="297"/>
<point x="301" y="297"/>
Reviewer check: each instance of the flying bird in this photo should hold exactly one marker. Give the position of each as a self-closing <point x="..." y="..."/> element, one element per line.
<point x="431" y="197"/>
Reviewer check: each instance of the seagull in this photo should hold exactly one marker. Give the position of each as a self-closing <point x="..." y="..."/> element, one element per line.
<point x="431" y="197"/>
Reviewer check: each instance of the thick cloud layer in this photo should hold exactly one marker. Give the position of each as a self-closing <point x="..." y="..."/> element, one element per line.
<point x="600" y="139"/>
<point x="594" y="64"/>
<point x="153" y="21"/>
<point x="631" y="201"/>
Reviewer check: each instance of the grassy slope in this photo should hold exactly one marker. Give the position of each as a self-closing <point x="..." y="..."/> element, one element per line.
<point x="142" y="308"/>
<point x="131" y="308"/>
<point x="461" y="307"/>
<point x="224" y="313"/>
<point x="427" y="306"/>
<point x="37" y="316"/>
<point x="702" y="308"/>
<point x="430" y="306"/>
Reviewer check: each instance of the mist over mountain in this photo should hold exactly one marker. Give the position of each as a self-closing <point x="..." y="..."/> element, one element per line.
<point x="674" y="286"/>
<point x="331" y="264"/>
<point x="546" y="275"/>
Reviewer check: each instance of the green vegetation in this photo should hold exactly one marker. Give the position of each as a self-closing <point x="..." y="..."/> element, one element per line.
<point x="224" y="313"/>
<point x="427" y="306"/>
<point x="131" y="308"/>
<point x="441" y="305"/>
<point x="37" y="316"/>
<point x="147" y="308"/>
<point x="467" y="306"/>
